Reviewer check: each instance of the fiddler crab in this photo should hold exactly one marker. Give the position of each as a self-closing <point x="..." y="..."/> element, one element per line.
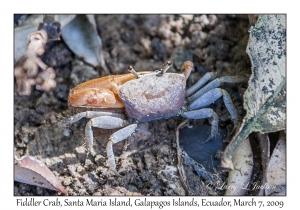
<point x="147" y="96"/>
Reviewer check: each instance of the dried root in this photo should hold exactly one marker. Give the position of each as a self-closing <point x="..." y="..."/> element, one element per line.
<point x="30" y="70"/>
<point x="181" y="171"/>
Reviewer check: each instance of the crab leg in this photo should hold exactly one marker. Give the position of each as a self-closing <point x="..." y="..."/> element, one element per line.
<point x="202" y="114"/>
<point x="214" y="84"/>
<point x="106" y="122"/>
<point x="91" y="114"/>
<point x="116" y="137"/>
<point x="210" y="97"/>
<point x="208" y="76"/>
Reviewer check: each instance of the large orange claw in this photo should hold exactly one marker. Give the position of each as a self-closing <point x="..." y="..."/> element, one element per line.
<point x="102" y="92"/>
<point x="93" y="97"/>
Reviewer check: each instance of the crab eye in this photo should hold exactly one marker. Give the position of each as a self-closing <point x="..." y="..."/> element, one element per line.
<point x="130" y="68"/>
<point x="169" y="63"/>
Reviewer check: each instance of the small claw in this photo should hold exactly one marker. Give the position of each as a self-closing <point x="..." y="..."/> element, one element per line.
<point x="188" y="66"/>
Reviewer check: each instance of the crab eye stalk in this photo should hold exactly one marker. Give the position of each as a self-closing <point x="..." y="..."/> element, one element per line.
<point x="132" y="71"/>
<point x="169" y="63"/>
<point x="165" y="68"/>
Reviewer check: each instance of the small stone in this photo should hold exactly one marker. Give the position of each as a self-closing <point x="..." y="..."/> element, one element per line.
<point x="188" y="17"/>
<point x="80" y="169"/>
<point x="82" y="192"/>
<point x="81" y="153"/>
<point x="67" y="181"/>
<point x="67" y="132"/>
<point x="54" y="163"/>
<point x="16" y="191"/>
<point x="172" y="186"/>
<point x="100" y="160"/>
<point x="70" y="158"/>
<point x="179" y="191"/>
<point x="89" y="165"/>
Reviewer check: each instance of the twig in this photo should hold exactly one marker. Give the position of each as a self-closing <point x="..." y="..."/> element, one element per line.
<point x="179" y="165"/>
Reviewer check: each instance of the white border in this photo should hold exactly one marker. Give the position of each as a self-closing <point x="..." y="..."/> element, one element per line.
<point x="154" y="6"/>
